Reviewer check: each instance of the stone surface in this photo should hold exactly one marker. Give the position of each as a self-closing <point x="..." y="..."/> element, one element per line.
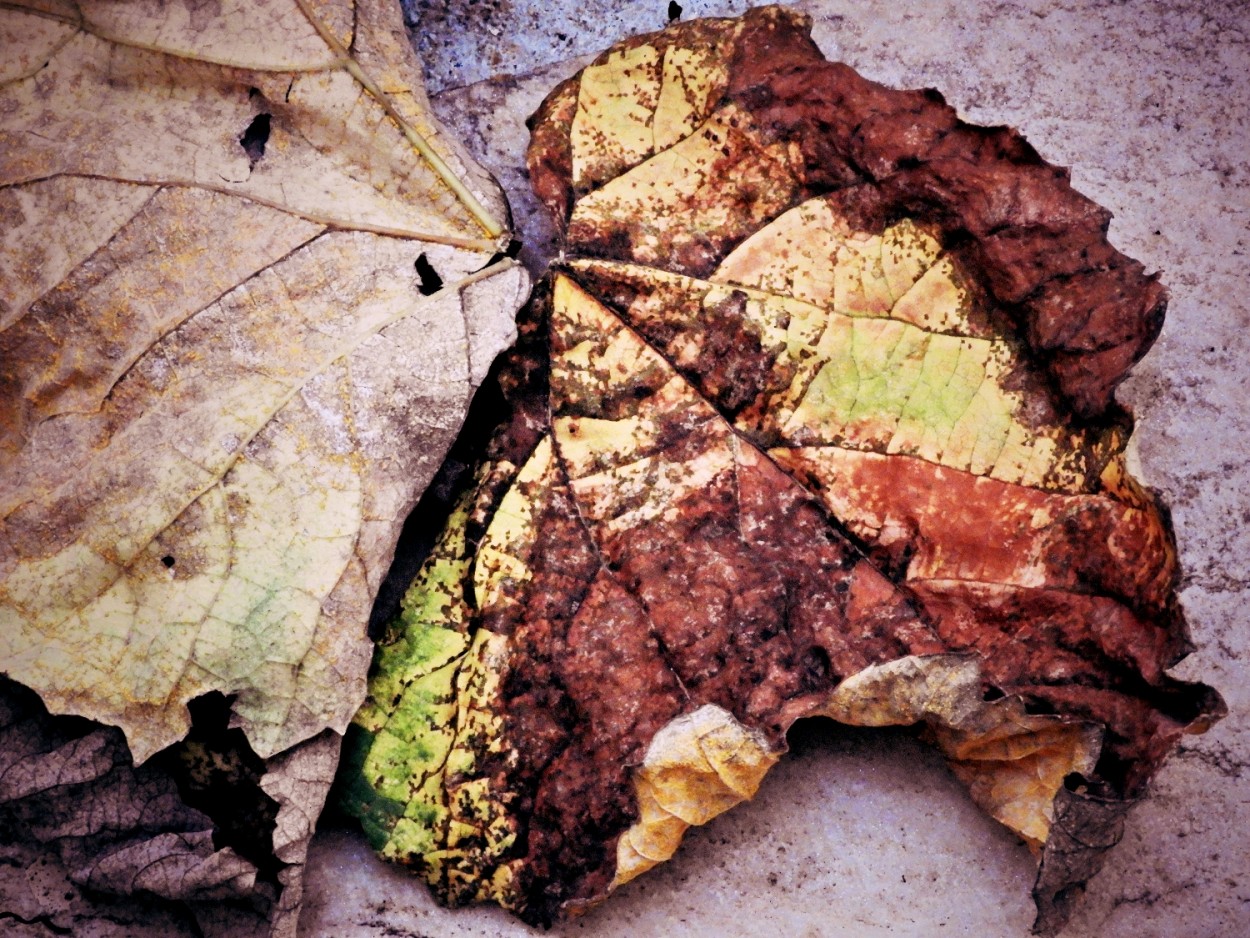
<point x="868" y="834"/>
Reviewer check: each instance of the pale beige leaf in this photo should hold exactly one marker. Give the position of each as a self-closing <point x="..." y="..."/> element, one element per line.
<point x="222" y="390"/>
<point x="168" y="105"/>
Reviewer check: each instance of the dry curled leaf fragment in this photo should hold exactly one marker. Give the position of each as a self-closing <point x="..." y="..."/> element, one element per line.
<point x="813" y="417"/>
<point x="225" y="372"/>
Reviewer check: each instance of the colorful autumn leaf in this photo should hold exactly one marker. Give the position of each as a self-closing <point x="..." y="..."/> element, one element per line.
<point x="223" y="385"/>
<point x="814" y="417"/>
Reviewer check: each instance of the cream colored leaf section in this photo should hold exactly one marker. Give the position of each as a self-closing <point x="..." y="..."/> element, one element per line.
<point x="499" y="567"/>
<point x="41" y="256"/>
<point x="137" y="294"/>
<point x="28" y="37"/>
<point x="1013" y="762"/>
<point x="698" y="766"/>
<point x="234" y="32"/>
<point x="169" y="104"/>
<point x="221" y="390"/>
<point x="637" y="103"/>
<point x="615" y="104"/>
<point x="705" y="762"/>
<point x="812" y="253"/>
<point x="230" y="532"/>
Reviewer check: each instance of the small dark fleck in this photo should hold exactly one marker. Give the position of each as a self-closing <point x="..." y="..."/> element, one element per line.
<point x="168" y="560"/>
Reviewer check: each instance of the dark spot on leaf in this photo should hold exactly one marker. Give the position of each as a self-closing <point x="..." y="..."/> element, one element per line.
<point x="428" y="279"/>
<point x="255" y="137"/>
<point x="512" y="251"/>
<point x="993" y="693"/>
<point x="168" y="560"/>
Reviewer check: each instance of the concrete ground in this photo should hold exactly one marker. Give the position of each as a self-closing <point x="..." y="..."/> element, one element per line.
<point x="867" y="834"/>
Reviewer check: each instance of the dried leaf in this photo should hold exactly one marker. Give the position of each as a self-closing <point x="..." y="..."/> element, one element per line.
<point x="223" y="383"/>
<point x="814" y="417"/>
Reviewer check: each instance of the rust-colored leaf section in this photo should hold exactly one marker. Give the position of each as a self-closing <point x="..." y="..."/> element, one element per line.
<point x="814" y="417"/>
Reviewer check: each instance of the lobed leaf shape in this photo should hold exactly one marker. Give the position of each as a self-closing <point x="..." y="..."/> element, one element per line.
<point x="223" y="382"/>
<point x="813" y="417"/>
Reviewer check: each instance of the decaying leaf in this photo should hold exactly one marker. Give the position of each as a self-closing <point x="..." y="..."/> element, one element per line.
<point x="814" y="417"/>
<point x="225" y="377"/>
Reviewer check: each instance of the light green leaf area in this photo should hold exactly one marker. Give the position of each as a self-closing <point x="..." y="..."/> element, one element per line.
<point x="404" y="730"/>
<point x="419" y="750"/>
<point x="872" y="343"/>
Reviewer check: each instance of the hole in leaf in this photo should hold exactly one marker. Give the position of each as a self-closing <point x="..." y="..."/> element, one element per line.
<point x="218" y="773"/>
<point x="992" y="693"/>
<point x="674" y="10"/>
<point x="168" y="560"/>
<point x="428" y="279"/>
<point x="255" y="137"/>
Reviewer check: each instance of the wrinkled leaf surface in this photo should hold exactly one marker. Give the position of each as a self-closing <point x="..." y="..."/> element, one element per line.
<point x="226" y="375"/>
<point x="814" y="417"/>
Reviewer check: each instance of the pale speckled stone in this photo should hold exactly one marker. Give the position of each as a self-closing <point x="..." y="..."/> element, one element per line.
<point x="866" y="835"/>
<point x="853" y="834"/>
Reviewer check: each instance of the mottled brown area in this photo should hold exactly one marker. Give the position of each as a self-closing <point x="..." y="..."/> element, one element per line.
<point x="736" y="363"/>
<point x="1084" y="656"/>
<point x="583" y="799"/>
<point x="678" y="565"/>
<point x="1035" y="235"/>
<point x="743" y="594"/>
<point x="550" y="157"/>
<point x="1041" y="246"/>
<point x="709" y="342"/>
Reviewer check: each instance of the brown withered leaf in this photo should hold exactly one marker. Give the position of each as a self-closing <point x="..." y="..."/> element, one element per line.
<point x="814" y="417"/>
<point x="247" y="289"/>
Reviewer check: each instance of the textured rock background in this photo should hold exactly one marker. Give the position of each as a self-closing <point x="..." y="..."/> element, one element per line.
<point x="867" y="834"/>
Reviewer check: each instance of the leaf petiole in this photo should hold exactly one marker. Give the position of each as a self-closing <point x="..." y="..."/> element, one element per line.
<point x="483" y="217"/>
